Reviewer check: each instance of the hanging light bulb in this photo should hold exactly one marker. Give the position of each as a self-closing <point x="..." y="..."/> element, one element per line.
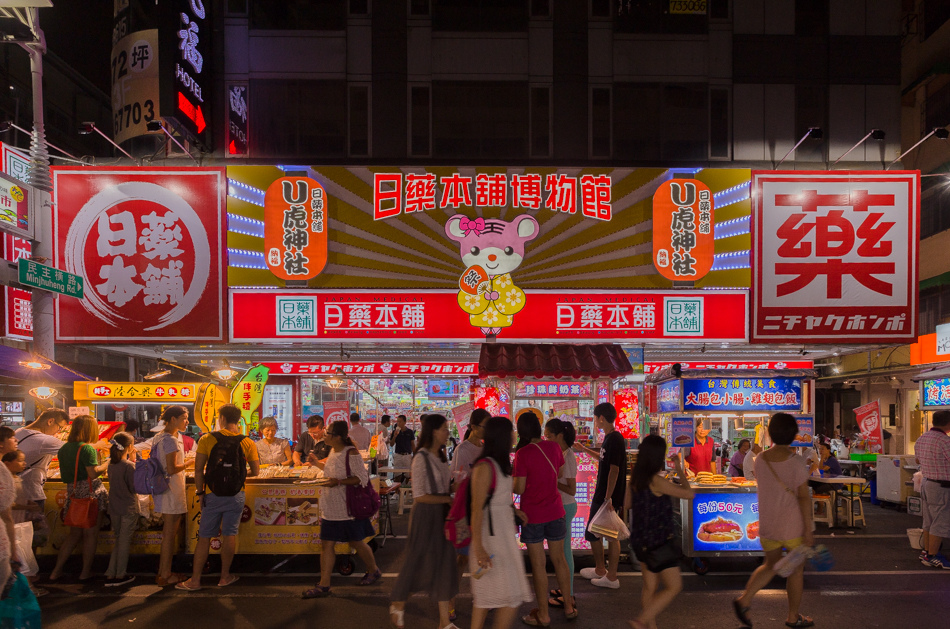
<point x="34" y="363"/>
<point x="155" y="375"/>
<point x="43" y="392"/>
<point x="224" y="373"/>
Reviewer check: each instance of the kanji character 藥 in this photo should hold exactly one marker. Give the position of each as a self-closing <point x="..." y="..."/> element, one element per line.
<point x="161" y="237"/>
<point x="360" y="316"/>
<point x="420" y="192"/>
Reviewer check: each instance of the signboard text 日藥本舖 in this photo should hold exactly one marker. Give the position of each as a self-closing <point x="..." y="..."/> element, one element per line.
<point x="834" y="256"/>
<point x="434" y="314"/>
<point x="742" y="394"/>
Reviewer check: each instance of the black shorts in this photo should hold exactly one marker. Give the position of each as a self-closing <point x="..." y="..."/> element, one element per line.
<point x="594" y="508"/>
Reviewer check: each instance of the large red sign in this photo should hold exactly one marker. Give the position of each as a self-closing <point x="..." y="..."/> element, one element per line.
<point x="566" y="316"/>
<point x="381" y="368"/>
<point x="835" y="256"/>
<point x="17" y="303"/>
<point x="868" y="418"/>
<point x="683" y="244"/>
<point x="733" y="365"/>
<point x="149" y="242"/>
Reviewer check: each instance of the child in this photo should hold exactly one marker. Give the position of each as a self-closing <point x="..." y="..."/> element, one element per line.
<point x="23" y="509"/>
<point x="123" y="506"/>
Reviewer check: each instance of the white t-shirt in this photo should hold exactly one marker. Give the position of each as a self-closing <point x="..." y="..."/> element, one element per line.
<point x="360" y="436"/>
<point x="568" y="471"/>
<point x="38" y="448"/>
<point x="748" y="465"/>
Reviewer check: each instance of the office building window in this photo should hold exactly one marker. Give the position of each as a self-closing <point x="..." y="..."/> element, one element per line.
<point x="540" y="8"/>
<point x="480" y="15"/>
<point x="359" y="7"/>
<point x="310" y="15"/>
<point x="237" y="7"/>
<point x="540" y="122"/>
<point x="719" y="118"/>
<point x="934" y="206"/>
<point x="655" y="16"/>
<point x="359" y="121"/>
<point x="935" y="14"/>
<point x="419" y="8"/>
<point x="600" y="122"/>
<point x="811" y="17"/>
<point x="298" y="118"/>
<point x="480" y="119"/>
<point x="811" y="110"/>
<point x="719" y="9"/>
<point x="420" y="121"/>
<point x="661" y="122"/>
<point x="934" y="308"/>
<point x="937" y="108"/>
<point x="600" y="8"/>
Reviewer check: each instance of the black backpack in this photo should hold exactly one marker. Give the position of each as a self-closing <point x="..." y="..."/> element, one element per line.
<point x="226" y="468"/>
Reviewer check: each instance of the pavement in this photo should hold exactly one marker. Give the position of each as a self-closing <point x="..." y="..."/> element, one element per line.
<point x="877" y="581"/>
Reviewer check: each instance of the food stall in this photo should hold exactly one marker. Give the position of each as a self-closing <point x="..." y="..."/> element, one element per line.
<point x="722" y="520"/>
<point x="557" y="380"/>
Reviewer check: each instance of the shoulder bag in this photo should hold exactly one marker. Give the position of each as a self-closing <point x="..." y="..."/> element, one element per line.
<point x="83" y="513"/>
<point x="362" y="501"/>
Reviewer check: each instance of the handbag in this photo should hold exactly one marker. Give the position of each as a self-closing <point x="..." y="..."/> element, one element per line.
<point x="18" y="605"/>
<point x="83" y="513"/>
<point x="362" y="501"/>
<point x="660" y="557"/>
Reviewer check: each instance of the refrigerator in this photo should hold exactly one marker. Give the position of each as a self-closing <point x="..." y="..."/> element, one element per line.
<point x="894" y="472"/>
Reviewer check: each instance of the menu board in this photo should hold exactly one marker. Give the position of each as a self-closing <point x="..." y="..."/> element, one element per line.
<point x="723" y="521"/>
<point x="681" y="432"/>
<point x="586" y="485"/>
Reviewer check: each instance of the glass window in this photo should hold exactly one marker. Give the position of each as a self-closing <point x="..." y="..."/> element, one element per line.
<point x="359" y="7"/>
<point x="316" y="15"/>
<point x="934" y="206"/>
<point x="418" y="7"/>
<point x="600" y="122"/>
<point x="811" y="17"/>
<point x="540" y="122"/>
<point x="292" y="118"/>
<point x="237" y="7"/>
<point x="420" y="121"/>
<point x="937" y="107"/>
<point x="359" y="120"/>
<point x="655" y="16"/>
<point x="935" y="14"/>
<point x="811" y="110"/>
<point x="667" y="122"/>
<point x="480" y="15"/>
<point x="719" y="123"/>
<point x="480" y="119"/>
<point x="600" y="8"/>
<point x="540" y="8"/>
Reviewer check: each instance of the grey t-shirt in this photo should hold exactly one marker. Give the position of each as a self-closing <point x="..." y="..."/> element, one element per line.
<point x="122" y="497"/>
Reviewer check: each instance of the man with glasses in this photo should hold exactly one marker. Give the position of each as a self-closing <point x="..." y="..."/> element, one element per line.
<point x="39" y="444"/>
<point x="311" y="441"/>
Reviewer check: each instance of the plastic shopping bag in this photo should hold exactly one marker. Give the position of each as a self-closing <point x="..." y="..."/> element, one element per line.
<point x="24" y="549"/>
<point x="19" y="609"/>
<point x="607" y="523"/>
<point x="918" y="480"/>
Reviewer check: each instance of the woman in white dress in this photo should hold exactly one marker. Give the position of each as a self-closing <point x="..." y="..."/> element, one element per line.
<point x="170" y="450"/>
<point x="7" y="494"/>
<point x="495" y="561"/>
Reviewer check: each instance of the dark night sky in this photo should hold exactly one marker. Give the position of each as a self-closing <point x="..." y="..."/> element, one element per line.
<point x="80" y="33"/>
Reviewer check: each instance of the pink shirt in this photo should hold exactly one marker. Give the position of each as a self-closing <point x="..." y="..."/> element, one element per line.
<point x="539" y="463"/>
<point x="780" y="518"/>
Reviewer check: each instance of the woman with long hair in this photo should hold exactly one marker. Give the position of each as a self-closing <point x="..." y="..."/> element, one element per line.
<point x="537" y="467"/>
<point x="563" y="434"/>
<point x="336" y="524"/>
<point x="495" y="562"/>
<point x="785" y="518"/>
<point x="80" y="469"/>
<point x="651" y="534"/>
<point x="430" y="558"/>
<point x="169" y="450"/>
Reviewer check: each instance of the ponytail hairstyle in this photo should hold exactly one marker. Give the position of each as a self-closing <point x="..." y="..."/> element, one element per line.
<point x="119" y="443"/>
<point x="342" y="430"/>
<point x="529" y="427"/>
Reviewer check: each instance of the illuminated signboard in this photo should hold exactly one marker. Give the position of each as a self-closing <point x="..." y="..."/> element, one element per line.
<point x="669" y="398"/>
<point x="742" y="394"/>
<point x="237" y="120"/>
<point x="683" y="230"/>
<point x="185" y="58"/>
<point x="295" y="238"/>
<point x="552" y="389"/>
<point x="726" y="522"/>
<point x="936" y="393"/>
<point x="164" y="392"/>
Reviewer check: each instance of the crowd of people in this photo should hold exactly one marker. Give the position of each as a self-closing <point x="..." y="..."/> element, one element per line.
<point x="481" y="473"/>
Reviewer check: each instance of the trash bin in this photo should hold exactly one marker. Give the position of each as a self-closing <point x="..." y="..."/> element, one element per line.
<point x="873" y="482"/>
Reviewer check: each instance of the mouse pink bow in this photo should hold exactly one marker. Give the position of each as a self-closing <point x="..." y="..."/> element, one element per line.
<point x="476" y="225"/>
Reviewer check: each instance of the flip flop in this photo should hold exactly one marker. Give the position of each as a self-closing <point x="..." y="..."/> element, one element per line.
<point x="801" y="622"/>
<point x="555" y="593"/>
<point x="400" y="615"/>
<point x="556" y="601"/>
<point x="184" y="587"/>
<point x="233" y="578"/>
<point x="317" y="592"/>
<point x="532" y="619"/>
<point x="742" y="613"/>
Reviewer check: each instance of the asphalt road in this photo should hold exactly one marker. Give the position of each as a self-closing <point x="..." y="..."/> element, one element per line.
<point x="876" y="582"/>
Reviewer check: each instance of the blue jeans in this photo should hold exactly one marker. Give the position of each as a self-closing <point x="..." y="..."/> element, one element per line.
<point x="221" y="513"/>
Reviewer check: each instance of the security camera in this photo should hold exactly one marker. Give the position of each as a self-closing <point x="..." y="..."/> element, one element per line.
<point x="154" y="125"/>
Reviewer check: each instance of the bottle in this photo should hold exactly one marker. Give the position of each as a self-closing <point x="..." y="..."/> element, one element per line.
<point x="790" y="562"/>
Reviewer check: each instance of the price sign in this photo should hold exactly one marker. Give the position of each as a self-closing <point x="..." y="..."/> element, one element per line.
<point x="135" y="90"/>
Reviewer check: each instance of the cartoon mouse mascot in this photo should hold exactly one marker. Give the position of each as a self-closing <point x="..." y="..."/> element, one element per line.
<point x="491" y="249"/>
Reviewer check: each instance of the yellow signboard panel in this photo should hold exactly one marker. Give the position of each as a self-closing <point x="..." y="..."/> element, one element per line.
<point x="211" y="397"/>
<point x="159" y="393"/>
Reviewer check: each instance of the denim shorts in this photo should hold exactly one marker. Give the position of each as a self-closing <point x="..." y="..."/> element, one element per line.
<point x="221" y="513"/>
<point x="553" y="531"/>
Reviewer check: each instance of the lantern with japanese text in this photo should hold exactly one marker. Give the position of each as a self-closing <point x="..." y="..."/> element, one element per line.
<point x="295" y="228"/>
<point x="683" y="243"/>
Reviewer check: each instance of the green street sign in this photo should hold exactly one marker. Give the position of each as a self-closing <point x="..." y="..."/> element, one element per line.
<point x="36" y="275"/>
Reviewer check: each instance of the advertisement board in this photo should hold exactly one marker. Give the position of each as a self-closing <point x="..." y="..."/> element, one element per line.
<point x="868" y="418"/>
<point x="669" y="397"/>
<point x="806" y="433"/>
<point x="435" y="315"/>
<point x="150" y="244"/>
<point x="17" y="207"/>
<point x="384" y="368"/>
<point x="164" y="392"/>
<point x="742" y="394"/>
<point x="834" y="256"/>
<point x="186" y="65"/>
<point x="683" y="244"/>
<point x="682" y="432"/>
<point x="336" y="411"/>
<point x="295" y="231"/>
<point x="135" y="84"/>
<point x="726" y="522"/>
<point x="935" y="393"/>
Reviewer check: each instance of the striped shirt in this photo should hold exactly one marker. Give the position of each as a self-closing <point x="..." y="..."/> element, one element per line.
<point x="933" y="452"/>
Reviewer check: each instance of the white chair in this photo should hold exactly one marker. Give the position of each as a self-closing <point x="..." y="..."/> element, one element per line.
<point x="405" y="499"/>
<point x="823" y="509"/>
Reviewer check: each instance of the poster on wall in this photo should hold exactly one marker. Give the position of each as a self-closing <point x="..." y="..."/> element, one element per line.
<point x="277" y="403"/>
<point x="834" y="256"/>
<point x="869" y="424"/>
<point x="150" y="244"/>
<point x="806" y="433"/>
<point x="726" y="522"/>
<point x="682" y="432"/>
<point x="462" y="415"/>
<point x="336" y="411"/>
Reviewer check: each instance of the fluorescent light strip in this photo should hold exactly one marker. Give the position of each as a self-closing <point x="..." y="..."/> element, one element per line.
<point x="244" y="259"/>
<point x="245" y="226"/>
<point x="245" y="192"/>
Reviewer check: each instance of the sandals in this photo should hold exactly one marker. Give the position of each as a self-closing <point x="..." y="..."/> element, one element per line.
<point x="742" y="613"/>
<point x="171" y="579"/>
<point x="370" y="579"/>
<point x="184" y="587"/>
<point x="224" y="584"/>
<point x="317" y="591"/>
<point x="572" y="615"/>
<point x="400" y="615"/>
<point x="532" y="619"/>
<point x="801" y="622"/>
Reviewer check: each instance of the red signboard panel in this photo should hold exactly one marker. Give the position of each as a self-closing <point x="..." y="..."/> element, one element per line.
<point x="731" y="365"/>
<point x="381" y="368"/>
<point x="683" y="244"/>
<point x="565" y="316"/>
<point x="835" y="256"/>
<point x="17" y="303"/>
<point x="150" y="244"/>
<point x="295" y="228"/>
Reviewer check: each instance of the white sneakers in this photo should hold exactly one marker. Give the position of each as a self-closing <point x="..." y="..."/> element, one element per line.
<point x="604" y="582"/>
<point x="591" y="573"/>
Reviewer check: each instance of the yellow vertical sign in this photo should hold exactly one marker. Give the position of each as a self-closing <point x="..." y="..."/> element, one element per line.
<point x="247" y="394"/>
<point x="209" y="399"/>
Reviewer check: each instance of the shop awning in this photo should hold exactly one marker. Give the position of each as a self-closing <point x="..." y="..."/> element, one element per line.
<point x="10" y="367"/>
<point x="527" y="360"/>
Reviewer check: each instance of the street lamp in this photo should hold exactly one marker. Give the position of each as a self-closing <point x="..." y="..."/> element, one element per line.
<point x="158" y="125"/>
<point x="90" y="127"/>
<point x="224" y="373"/>
<point x="34" y="363"/>
<point x="43" y="393"/>
<point x="940" y="133"/>
<point x="813" y="132"/>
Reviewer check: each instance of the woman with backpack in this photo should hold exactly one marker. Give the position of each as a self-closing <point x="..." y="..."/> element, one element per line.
<point x="498" y="576"/>
<point x="430" y="564"/>
<point x="538" y="465"/>
<point x="652" y="532"/>
<point x="169" y="450"/>
<point x="343" y="467"/>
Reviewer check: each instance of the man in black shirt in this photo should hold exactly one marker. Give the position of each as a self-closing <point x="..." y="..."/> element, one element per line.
<point x="311" y="442"/>
<point x="611" y="487"/>
<point x="401" y="439"/>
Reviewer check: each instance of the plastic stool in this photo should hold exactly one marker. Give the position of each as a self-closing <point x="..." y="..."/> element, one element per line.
<point x="850" y="501"/>
<point x="826" y="513"/>
<point x="405" y="497"/>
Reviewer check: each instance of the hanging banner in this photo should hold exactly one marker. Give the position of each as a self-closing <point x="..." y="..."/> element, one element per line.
<point x="149" y="243"/>
<point x="462" y="415"/>
<point x="683" y="244"/>
<point x="627" y="403"/>
<point x="869" y="424"/>
<point x="295" y="229"/>
<point x="248" y="393"/>
<point x="336" y="411"/>
<point x="834" y="256"/>
<point x="209" y="400"/>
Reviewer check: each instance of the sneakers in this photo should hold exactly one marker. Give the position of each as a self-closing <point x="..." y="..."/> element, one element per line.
<point x="589" y="573"/>
<point x="939" y="561"/>
<point x="924" y="558"/>
<point x="116" y="582"/>
<point x="604" y="582"/>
